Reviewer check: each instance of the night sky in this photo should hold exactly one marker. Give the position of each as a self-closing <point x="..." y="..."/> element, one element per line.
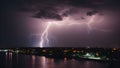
<point x="23" y="21"/>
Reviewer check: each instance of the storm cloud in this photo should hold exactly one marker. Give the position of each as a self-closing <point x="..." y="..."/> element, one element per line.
<point x="20" y="19"/>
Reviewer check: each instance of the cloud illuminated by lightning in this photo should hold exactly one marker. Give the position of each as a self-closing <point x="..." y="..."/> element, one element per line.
<point x="66" y="22"/>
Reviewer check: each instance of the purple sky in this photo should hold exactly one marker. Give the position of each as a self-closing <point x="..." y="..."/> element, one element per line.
<point x="97" y="23"/>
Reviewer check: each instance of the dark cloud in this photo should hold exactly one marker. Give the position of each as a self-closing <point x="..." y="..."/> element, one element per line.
<point x="93" y="12"/>
<point x="69" y="11"/>
<point x="48" y="13"/>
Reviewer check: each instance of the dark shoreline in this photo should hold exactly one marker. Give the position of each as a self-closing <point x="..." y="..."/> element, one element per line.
<point x="102" y="54"/>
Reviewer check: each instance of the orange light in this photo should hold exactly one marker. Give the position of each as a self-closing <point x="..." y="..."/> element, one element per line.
<point x="43" y="50"/>
<point x="65" y="50"/>
<point x="74" y="51"/>
<point x="65" y="59"/>
<point x="114" y="49"/>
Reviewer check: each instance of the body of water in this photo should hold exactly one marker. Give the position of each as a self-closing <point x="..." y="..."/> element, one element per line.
<point x="14" y="60"/>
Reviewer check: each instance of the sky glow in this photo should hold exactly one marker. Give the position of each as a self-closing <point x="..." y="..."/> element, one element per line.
<point x="66" y="22"/>
<point x="60" y="23"/>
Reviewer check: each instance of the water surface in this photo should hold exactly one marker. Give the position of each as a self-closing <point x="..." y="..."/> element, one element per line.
<point x="14" y="60"/>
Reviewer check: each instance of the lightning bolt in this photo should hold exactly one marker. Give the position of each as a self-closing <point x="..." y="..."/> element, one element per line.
<point x="90" y="22"/>
<point x="44" y="37"/>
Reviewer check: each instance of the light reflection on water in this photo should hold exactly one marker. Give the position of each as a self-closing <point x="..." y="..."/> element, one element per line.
<point x="14" y="60"/>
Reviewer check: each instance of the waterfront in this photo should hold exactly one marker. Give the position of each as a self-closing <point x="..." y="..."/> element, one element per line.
<point x="14" y="60"/>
